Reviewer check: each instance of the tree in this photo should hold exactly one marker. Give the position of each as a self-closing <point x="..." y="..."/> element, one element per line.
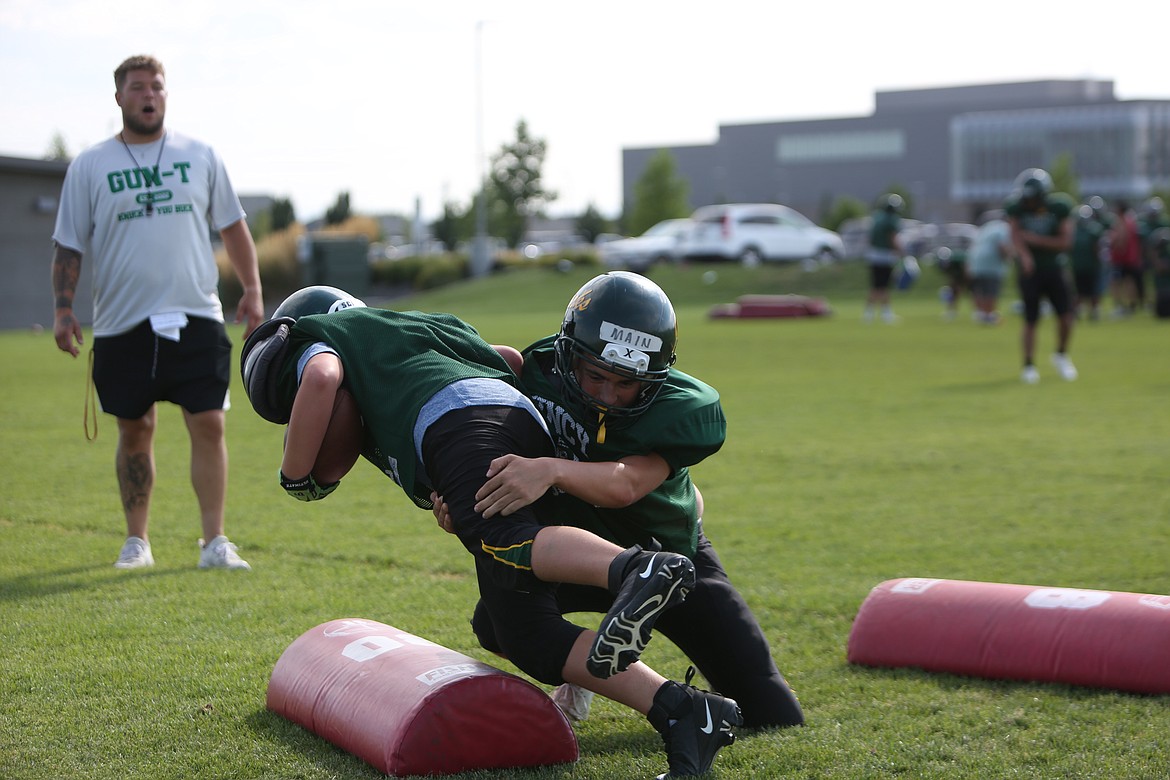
<point x="261" y="225"/>
<point x="591" y="224"/>
<point x="339" y="211"/>
<point x="57" y="149"/>
<point x="282" y="214"/>
<point x="514" y="181"/>
<point x="1064" y="177"/>
<point x="843" y="209"/>
<point x="448" y="228"/>
<point x="660" y="193"/>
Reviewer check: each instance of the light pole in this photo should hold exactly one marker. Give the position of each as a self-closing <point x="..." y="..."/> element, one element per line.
<point x="480" y="262"/>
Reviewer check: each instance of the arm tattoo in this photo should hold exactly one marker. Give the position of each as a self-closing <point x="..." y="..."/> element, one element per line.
<point x="66" y="272"/>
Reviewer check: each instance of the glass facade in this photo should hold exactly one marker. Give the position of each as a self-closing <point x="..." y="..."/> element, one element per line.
<point x="841" y="146"/>
<point x="1116" y="150"/>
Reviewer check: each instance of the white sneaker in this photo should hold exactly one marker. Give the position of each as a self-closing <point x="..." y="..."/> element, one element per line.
<point x="1068" y="372"/>
<point x="573" y="700"/>
<point x="135" y="554"/>
<point x="1030" y="375"/>
<point x="219" y="553"/>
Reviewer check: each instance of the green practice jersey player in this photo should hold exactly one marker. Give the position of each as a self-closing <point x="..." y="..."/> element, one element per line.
<point x="1092" y="228"/>
<point x="1042" y="234"/>
<point x="627" y="427"/>
<point x="885" y="249"/>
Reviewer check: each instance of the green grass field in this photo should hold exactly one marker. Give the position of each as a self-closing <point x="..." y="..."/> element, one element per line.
<point x="856" y="453"/>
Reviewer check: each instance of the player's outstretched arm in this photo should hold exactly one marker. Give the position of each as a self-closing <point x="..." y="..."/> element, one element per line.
<point x="514" y="482"/>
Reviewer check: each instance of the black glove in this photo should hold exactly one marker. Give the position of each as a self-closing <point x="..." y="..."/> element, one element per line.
<point x="306" y="488"/>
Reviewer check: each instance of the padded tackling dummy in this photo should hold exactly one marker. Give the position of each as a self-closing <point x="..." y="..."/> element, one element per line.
<point x="1104" y="639"/>
<point x="758" y="306"/>
<point x="408" y="706"/>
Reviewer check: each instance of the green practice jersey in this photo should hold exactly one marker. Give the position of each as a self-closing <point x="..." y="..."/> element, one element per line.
<point x="394" y="363"/>
<point x="884" y="229"/>
<point x="1086" y="249"/>
<point x="1043" y="221"/>
<point x="683" y="425"/>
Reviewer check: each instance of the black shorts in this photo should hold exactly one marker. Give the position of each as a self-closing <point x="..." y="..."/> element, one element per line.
<point x="1137" y="274"/>
<point x="457" y="450"/>
<point x="1088" y="283"/>
<point x="1050" y="283"/>
<point x="133" y="370"/>
<point x="957" y="275"/>
<point x="986" y="286"/>
<point x="880" y="275"/>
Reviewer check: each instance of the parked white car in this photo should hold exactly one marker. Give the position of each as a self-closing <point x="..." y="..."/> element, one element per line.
<point x="660" y="243"/>
<point x="756" y="232"/>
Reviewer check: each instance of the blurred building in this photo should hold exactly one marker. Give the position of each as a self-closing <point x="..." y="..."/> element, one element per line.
<point x="955" y="150"/>
<point x="29" y="190"/>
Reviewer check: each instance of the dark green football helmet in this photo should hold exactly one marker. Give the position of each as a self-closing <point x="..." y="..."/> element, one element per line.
<point x="1160" y="240"/>
<point x="266" y="348"/>
<point x="318" y="299"/>
<point x="1097" y="204"/>
<point x="1032" y="187"/>
<point x="621" y="322"/>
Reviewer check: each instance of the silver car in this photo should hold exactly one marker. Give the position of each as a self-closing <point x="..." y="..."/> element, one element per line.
<point x="755" y="232"/>
<point x="658" y="244"/>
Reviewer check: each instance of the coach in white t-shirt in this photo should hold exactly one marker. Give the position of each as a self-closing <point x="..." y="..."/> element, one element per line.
<point x="141" y="206"/>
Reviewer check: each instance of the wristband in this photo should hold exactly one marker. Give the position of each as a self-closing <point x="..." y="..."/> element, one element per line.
<point x="306" y="488"/>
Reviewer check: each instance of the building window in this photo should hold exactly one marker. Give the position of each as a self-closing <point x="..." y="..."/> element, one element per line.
<point x="834" y="147"/>
<point x="1115" y="150"/>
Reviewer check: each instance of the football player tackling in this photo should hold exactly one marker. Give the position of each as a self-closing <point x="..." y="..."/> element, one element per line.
<point x="627" y="425"/>
<point x="437" y="406"/>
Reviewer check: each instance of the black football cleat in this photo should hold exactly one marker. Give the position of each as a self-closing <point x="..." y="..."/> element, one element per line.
<point x="695" y="725"/>
<point x="650" y="583"/>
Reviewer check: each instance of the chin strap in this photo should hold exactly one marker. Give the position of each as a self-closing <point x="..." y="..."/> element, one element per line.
<point x="601" y="427"/>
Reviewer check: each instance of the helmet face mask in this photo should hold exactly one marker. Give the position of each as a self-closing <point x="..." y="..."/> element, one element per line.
<point x="621" y="323"/>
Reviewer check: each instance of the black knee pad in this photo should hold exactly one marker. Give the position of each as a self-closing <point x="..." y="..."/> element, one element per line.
<point x="542" y="654"/>
<point x="485" y="630"/>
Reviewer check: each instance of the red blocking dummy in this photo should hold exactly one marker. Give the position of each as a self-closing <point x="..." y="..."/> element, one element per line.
<point x="1105" y="639"/>
<point x="408" y="706"/>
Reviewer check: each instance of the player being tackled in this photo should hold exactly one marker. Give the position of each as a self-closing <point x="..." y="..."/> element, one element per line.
<point x="646" y="584"/>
